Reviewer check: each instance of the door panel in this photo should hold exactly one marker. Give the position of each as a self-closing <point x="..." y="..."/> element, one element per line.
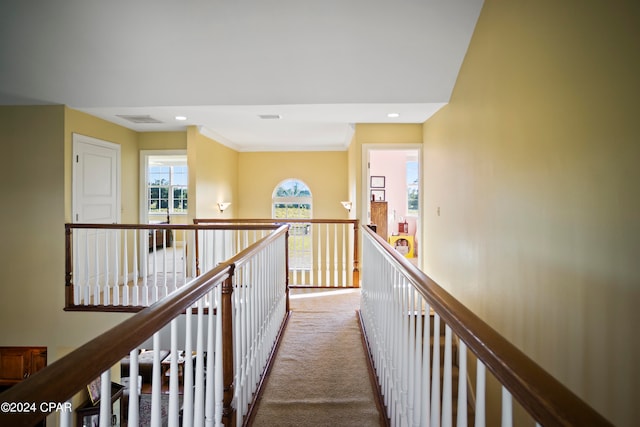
<point x="96" y="170"/>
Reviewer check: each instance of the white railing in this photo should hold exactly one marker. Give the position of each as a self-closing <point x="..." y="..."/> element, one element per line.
<point x="131" y="266"/>
<point x="259" y="305"/>
<point x="322" y="252"/>
<point x="208" y="344"/>
<point x="403" y="312"/>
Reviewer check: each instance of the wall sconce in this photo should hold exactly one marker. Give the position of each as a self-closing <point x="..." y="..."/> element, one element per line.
<point x="347" y="205"/>
<point x="223" y="205"/>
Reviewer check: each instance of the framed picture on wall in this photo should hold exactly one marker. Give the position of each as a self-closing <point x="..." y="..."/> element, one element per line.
<point x="94" y="390"/>
<point x="377" y="182"/>
<point x="377" y="195"/>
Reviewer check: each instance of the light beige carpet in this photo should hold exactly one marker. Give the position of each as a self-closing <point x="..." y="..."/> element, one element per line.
<point x="320" y="375"/>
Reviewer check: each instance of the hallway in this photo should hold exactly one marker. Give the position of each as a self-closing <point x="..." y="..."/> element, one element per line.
<point x="320" y="375"/>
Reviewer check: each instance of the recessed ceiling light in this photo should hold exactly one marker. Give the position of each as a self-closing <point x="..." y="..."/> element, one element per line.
<point x="270" y="116"/>
<point x="181" y="118"/>
<point x="393" y="115"/>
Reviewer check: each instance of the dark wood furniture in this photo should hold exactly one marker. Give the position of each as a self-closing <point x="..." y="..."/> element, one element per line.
<point x="88" y="412"/>
<point x="161" y="237"/>
<point x="380" y="218"/>
<point x="18" y="363"/>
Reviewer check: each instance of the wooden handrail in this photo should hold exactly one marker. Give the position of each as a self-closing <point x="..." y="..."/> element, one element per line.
<point x="62" y="379"/>
<point x="547" y="400"/>
<point x="273" y="221"/>
<point x="221" y="226"/>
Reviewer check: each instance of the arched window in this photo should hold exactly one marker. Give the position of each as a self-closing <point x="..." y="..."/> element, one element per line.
<point x="292" y="200"/>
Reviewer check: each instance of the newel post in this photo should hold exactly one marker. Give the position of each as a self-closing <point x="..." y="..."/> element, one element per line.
<point x="286" y="268"/>
<point x="356" y="262"/>
<point x="68" y="266"/>
<point x="228" y="411"/>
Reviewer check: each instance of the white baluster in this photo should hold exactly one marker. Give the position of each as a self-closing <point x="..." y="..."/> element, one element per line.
<point x="417" y="367"/>
<point x="156" y="384"/>
<point x="210" y="378"/>
<point x="345" y="263"/>
<point x="412" y="353"/>
<point x="238" y="332"/>
<point x="105" y="404"/>
<point x="154" y="268"/>
<point x="187" y="416"/>
<point x="174" y="378"/>
<point x="126" y="301"/>
<point x="425" y="411"/>
<point x="87" y="284"/>
<point x="134" y="396"/>
<point x="435" y="383"/>
<point x="198" y="404"/>
<point x="144" y="261"/>
<point x="184" y="257"/>
<point x="335" y="255"/>
<point x="462" y="385"/>
<point x="174" y="283"/>
<point x="96" y="296"/>
<point x="319" y="253"/>
<point x="66" y="419"/>
<point x="106" y="293"/>
<point x="447" y="395"/>
<point x="219" y="385"/>
<point x="116" y="267"/>
<point x="327" y="262"/>
<point x="404" y="351"/>
<point x="507" y="408"/>
<point x="293" y="253"/>
<point x="135" y="290"/>
<point x="165" y="289"/>
<point x="480" y="394"/>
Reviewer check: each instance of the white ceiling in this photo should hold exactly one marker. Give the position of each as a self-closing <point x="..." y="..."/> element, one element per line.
<point x="321" y="65"/>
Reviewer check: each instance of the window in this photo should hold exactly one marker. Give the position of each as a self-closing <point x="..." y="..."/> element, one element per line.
<point x="167" y="188"/>
<point x="413" y="196"/>
<point x="292" y="200"/>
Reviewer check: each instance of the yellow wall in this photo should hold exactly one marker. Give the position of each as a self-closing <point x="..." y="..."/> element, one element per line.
<point x="325" y="172"/>
<point x="533" y="165"/>
<point x="162" y="141"/>
<point x="212" y="176"/>
<point x="85" y="124"/>
<point x="35" y="140"/>
<point x="376" y="133"/>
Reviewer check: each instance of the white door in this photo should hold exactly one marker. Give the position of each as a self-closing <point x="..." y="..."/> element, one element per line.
<point x="96" y="172"/>
<point x="96" y="199"/>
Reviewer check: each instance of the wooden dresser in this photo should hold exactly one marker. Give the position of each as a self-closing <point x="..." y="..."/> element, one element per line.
<point x="379" y="218"/>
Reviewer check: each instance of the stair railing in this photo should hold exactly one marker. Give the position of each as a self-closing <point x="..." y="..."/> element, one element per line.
<point x="232" y="317"/>
<point x="416" y="379"/>
<point x="125" y="267"/>
<point x="322" y="252"/>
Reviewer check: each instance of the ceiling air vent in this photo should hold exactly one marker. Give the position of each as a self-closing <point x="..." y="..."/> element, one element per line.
<point x="139" y="118"/>
<point x="270" y="116"/>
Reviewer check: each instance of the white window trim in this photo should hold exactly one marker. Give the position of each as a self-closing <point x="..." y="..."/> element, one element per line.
<point x="144" y="170"/>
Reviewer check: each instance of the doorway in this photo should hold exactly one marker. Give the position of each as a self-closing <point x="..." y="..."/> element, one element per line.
<point x="392" y="174"/>
<point x="96" y="180"/>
